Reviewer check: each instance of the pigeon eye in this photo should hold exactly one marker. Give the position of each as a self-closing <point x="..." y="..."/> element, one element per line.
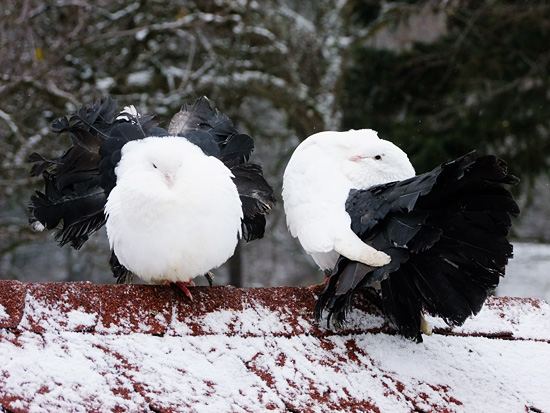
<point x="378" y="157"/>
<point x="154" y="166"/>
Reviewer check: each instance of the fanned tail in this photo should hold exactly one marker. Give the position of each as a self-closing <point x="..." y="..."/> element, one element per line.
<point x="73" y="199"/>
<point x="216" y="135"/>
<point x="256" y="197"/>
<point x="94" y="120"/>
<point x="75" y="186"/>
<point x="446" y="232"/>
<point x="77" y="209"/>
<point x="213" y="131"/>
<point x="120" y="272"/>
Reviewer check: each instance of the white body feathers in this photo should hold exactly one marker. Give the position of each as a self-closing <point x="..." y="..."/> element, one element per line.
<point x="174" y="213"/>
<point x="316" y="185"/>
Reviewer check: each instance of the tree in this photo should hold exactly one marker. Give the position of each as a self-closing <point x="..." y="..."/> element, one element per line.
<point x="273" y="68"/>
<point x="282" y="70"/>
<point x="483" y="84"/>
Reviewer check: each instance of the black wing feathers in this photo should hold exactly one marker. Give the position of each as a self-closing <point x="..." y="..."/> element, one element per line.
<point x="446" y="234"/>
<point x="72" y="198"/>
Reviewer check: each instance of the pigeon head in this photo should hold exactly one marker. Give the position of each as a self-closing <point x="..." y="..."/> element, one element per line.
<point x="364" y="158"/>
<point x="375" y="162"/>
<point x="159" y="164"/>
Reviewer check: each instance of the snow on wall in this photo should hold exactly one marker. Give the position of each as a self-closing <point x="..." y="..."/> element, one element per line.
<point x="80" y="347"/>
<point x="527" y="273"/>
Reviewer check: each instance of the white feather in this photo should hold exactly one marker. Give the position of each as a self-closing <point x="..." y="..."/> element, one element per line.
<point x="316" y="185"/>
<point x="128" y="110"/>
<point x="174" y="213"/>
<point x="37" y="226"/>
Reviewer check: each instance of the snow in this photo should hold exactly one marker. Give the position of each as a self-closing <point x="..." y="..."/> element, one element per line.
<point x="478" y="370"/>
<point x="142" y="34"/>
<point x="214" y="371"/>
<point x="142" y="78"/>
<point x="527" y="274"/>
<point x="524" y="322"/>
<point x="78" y="318"/>
<point x="257" y="358"/>
<point x="105" y="84"/>
<point x="3" y="313"/>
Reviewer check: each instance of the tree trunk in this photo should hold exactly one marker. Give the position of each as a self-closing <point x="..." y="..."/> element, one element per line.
<point x="235" y="268"/>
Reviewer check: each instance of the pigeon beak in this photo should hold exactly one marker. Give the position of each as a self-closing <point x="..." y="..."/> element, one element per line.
<point x="170" y="178"/>
<point x="356" y="158"/>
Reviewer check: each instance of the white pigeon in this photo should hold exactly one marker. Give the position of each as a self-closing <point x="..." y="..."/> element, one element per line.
<point x="170" y="196"/>
<point x="174" y="202"/>
<point x="434" y="242"/>
<point x="317" y="181"/>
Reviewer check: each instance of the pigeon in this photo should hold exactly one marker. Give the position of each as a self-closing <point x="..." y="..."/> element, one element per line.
<point x="433" y="243"/>
<point x="174" y="202"/>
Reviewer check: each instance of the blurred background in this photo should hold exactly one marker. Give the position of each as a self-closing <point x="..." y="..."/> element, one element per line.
<point x="438" y="78"/>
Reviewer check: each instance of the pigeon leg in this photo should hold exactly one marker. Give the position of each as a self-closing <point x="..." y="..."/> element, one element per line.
<point x="183" y="286"/>
<point x="321" y="287"/>
<point x="210" y="278"/>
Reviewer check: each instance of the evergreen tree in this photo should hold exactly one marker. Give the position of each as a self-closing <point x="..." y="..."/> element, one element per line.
<point x="484" y="84"/>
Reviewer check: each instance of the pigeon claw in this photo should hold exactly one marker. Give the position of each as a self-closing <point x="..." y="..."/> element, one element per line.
<point x="210" y="278"/>
<point x="183" y="286"/>
<point x="319" y="288"/>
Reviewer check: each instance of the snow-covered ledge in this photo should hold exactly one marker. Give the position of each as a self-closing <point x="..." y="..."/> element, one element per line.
<point x="85" y="347"/>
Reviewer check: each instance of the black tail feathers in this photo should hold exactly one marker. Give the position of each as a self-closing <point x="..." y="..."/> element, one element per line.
<point x="75" y="186"/>
<point x="446" y="232"/>
<point x="216" y="135"/>
<point x="77" y="183"/>
<point x="221" y="138"/>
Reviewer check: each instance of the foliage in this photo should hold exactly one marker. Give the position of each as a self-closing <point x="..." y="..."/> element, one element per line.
<point x="259" y="63"/>
<point x="282" y="70"/>
<point x="482" y="85"/>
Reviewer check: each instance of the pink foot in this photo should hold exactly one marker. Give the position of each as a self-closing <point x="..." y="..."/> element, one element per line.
<point x="320" y="287"/>
<point x="183" y="286"/>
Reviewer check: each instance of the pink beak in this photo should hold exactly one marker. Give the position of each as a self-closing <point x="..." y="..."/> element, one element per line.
<point x="170" y="178"/>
